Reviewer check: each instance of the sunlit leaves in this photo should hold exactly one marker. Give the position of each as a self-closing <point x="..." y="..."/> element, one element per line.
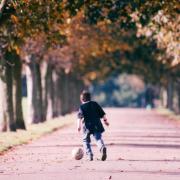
<point x="164" y="28"/>
<point x="106" y="34"/>
<point x="14" y="19"/>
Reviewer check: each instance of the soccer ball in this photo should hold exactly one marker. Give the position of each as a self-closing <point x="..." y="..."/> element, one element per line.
<point x="77" y="153"/>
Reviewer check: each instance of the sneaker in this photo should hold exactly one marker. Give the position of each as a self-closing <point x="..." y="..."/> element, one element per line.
<point x="90" y="158"/>
<point x="104" y="155"/>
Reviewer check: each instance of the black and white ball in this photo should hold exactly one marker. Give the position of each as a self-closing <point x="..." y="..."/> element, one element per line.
<point x="77" y="153"/>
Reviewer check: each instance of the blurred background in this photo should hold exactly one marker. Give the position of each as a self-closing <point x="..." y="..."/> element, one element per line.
<point x="126" y="53"/>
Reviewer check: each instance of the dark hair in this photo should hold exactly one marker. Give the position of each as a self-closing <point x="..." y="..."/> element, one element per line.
<point x="85" y="96"/>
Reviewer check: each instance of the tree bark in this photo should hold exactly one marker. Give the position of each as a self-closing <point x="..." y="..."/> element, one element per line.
<point x="75" y="92"/>
<point x="57" y="105"/>
<point x="49" y="93"/>
<point x="3" y="122"/>
<point x="34" y="89"/>
<point x="79" y="88"/>
<point x="178" y="98"/>
<point x="163" y="97"/>
<point x="72" y="87"/>
<point x="170" y="91"/>
<point x="20" y="124"/>
<point x="64" y="89"/>
<point x="8" y="89"/>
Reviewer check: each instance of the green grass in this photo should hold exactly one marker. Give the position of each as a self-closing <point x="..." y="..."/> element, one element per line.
<point x="11" y="139"/>
<point x="168" y="113"/>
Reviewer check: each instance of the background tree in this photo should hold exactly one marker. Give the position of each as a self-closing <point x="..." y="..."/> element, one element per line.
<point x="85" y="41"/>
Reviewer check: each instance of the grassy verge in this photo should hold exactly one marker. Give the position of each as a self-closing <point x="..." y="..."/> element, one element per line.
<point x="11" y="139"/>
<point x="168" y="113"/>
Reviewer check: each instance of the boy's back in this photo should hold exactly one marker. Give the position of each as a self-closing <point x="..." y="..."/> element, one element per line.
<point x="91" y="112"/>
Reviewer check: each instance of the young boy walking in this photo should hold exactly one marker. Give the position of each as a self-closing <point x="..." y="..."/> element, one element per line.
<point x="89" y="116"/>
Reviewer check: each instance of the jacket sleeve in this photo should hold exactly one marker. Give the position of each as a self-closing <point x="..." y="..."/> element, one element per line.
<point x="80" y="114"/>
<point x="100" y="111"/>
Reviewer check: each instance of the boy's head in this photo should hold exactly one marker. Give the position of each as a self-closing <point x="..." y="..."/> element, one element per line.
<point x="85" y="96"/>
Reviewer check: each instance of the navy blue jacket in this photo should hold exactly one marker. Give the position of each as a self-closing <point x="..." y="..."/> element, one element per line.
<point x="92" y="113"/>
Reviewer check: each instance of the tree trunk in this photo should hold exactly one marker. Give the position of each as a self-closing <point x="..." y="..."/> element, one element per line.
<point x="178" y="98"/>
<point x="29" y="81"/>
<point x="75" y="93"/>
<point x="79" y="88"/>
<point x="20" y="124"/>
<point x="70" y="96"/>
<point x="49" y="93"/>
<point x="3" y="122"/>
<point x="64" y="89"/>
<point x="170" y="91"/>
<point x="34" y="89"/>
<point x="163" y="97"/>
<point x="72" y="89"/>
<point x="37" y="94"/>
<point x="8" y="89"/>
<point x="57" y="105"/>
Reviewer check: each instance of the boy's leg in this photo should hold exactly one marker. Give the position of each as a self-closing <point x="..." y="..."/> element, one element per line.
<point x="99" y="140"/>
<point x="100" y="144"/>
<point x="87" y="145"/>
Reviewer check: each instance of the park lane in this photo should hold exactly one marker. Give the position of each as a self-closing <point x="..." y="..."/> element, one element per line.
<point x="141" y="145"/>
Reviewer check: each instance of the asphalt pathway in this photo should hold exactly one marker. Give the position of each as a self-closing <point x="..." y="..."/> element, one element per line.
<point x="141" y="146"/>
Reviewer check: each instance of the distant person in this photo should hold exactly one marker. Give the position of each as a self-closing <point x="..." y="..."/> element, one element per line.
<point x="149" y="97"/>
<point x="89" y="116"/>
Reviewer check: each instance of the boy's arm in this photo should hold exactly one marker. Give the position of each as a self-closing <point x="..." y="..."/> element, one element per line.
<point x="79" y="122"/>
<point x="105" y="120"/>
<point x="102" y="114"/>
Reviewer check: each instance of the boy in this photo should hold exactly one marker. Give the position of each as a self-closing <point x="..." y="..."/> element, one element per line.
<point x="89" y="116"/>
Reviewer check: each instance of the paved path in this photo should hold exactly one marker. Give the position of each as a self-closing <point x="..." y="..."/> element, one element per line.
<point x="141" y="146"/>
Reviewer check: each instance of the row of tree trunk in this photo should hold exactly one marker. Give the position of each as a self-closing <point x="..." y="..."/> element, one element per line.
<point x="170" y="95"/>
<point x="50" y="93"/>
